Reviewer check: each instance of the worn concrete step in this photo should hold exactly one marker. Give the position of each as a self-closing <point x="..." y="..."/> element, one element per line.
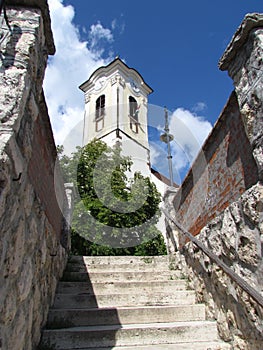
<point x="121" y="287"/>
<point x="79" y="301"/>
<point x="119" y="260"/>
<point x="132" y="335"/>
<point x="72" y="267"/>
<point x="118" y="276"/>
<point x="217" y="345"/>
<point x="123" y="263"/>
<point x="58" y="318"/>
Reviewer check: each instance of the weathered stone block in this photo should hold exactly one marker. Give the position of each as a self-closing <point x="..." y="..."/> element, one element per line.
<point x="24" y="282"/>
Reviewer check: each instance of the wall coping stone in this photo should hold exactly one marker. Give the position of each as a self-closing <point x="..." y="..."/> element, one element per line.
<point x="43" y="6"/>
<point x="251" y="21"/>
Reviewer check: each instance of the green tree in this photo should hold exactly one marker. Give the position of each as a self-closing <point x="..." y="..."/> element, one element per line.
<point x="69" y="164"/>
<point x="116" y="212"/>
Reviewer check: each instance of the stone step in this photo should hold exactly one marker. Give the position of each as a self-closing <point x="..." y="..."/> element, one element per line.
<point x="126" y="303"/>
<point x="118" y="276"/>
<point x="216" y="345"/>
<point x="58" y="318"/>
<point x="109" y="268"/>
<point x="96" y="261"/>
<point x="118" y="264"/>
<point x="78" y="301"/>
<point x="120" y="287"/>
<point x="132" y="335"/>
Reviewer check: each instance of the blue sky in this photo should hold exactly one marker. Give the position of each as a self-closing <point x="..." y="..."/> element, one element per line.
<point x="175" y="45"/>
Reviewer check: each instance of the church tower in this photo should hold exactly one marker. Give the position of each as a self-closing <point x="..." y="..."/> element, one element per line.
<point x="116" y="98"/>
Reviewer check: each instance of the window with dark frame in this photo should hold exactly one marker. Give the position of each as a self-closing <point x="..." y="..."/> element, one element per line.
<point x="133" y="114"/>
<point x="100" y="112"/>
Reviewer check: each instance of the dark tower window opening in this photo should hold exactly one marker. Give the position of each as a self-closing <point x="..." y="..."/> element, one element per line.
<point x="100" y="112"/>
<point x="133" y="114"/>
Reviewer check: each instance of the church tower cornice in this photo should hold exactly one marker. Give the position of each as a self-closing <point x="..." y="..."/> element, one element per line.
<point x="116" y="68"/>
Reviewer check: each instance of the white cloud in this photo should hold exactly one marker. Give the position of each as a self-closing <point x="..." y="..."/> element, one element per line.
<point x="155" y="153"/>
<point x="118" y="24"/>
<point x="114" y="23"/>
<point x="98" y="32"/>
<point x="72" y="64"/>
<point x="98" y="36"/>
<point x="190" y="132"/>
<point x="199" y="107"/>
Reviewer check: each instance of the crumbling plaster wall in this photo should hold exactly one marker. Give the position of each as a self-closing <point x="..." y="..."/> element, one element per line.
<point x="32" y="257"/>
<point x="235" y="234"/>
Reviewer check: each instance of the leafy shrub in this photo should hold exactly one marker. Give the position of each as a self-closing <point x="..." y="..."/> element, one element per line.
<point x="116" y="214"/>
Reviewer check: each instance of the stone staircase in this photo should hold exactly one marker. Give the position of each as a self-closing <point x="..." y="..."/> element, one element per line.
<point x="126" y="303"/>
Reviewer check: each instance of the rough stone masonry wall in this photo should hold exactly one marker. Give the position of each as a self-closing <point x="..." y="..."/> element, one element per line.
<point x="223" y="170"/>
<point x="31" y="256"/>
<point x="236" y="234"/>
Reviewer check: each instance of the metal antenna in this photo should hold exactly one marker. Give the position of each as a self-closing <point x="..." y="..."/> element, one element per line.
<point x="167" y="138"/>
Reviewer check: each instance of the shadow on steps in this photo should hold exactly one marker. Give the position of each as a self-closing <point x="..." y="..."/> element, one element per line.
<point x="75" y="310"/>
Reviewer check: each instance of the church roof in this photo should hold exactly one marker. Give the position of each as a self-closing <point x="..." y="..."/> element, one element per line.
<point x="117" y="63"/>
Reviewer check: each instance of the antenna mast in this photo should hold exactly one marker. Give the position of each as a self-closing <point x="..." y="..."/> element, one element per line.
<point x="167" y="138"/>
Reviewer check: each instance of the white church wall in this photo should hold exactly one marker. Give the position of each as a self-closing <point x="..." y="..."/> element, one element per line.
<point x="161" y="187"/>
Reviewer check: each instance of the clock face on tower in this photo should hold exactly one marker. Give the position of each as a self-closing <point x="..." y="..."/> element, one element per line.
<point x="134" y="85"/>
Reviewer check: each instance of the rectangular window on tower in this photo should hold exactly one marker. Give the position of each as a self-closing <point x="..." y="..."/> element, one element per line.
<point x="133" y="114"/>
<point x="100" y="113"/>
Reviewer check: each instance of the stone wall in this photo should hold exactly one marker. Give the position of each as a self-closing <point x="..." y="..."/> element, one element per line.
<point x="234" y="232"/>
<point x="243" y="59"/>
<point x="223" y="170"/>
<point x="32" y="258"/>
<point x="236" y="237"/>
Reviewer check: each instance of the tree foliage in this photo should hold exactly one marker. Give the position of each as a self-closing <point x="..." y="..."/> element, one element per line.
<point x="116" y="212"/>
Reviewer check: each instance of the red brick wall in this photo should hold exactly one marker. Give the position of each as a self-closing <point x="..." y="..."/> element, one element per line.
<point x="223" y="170"/>
<point x="41" y="169"/>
